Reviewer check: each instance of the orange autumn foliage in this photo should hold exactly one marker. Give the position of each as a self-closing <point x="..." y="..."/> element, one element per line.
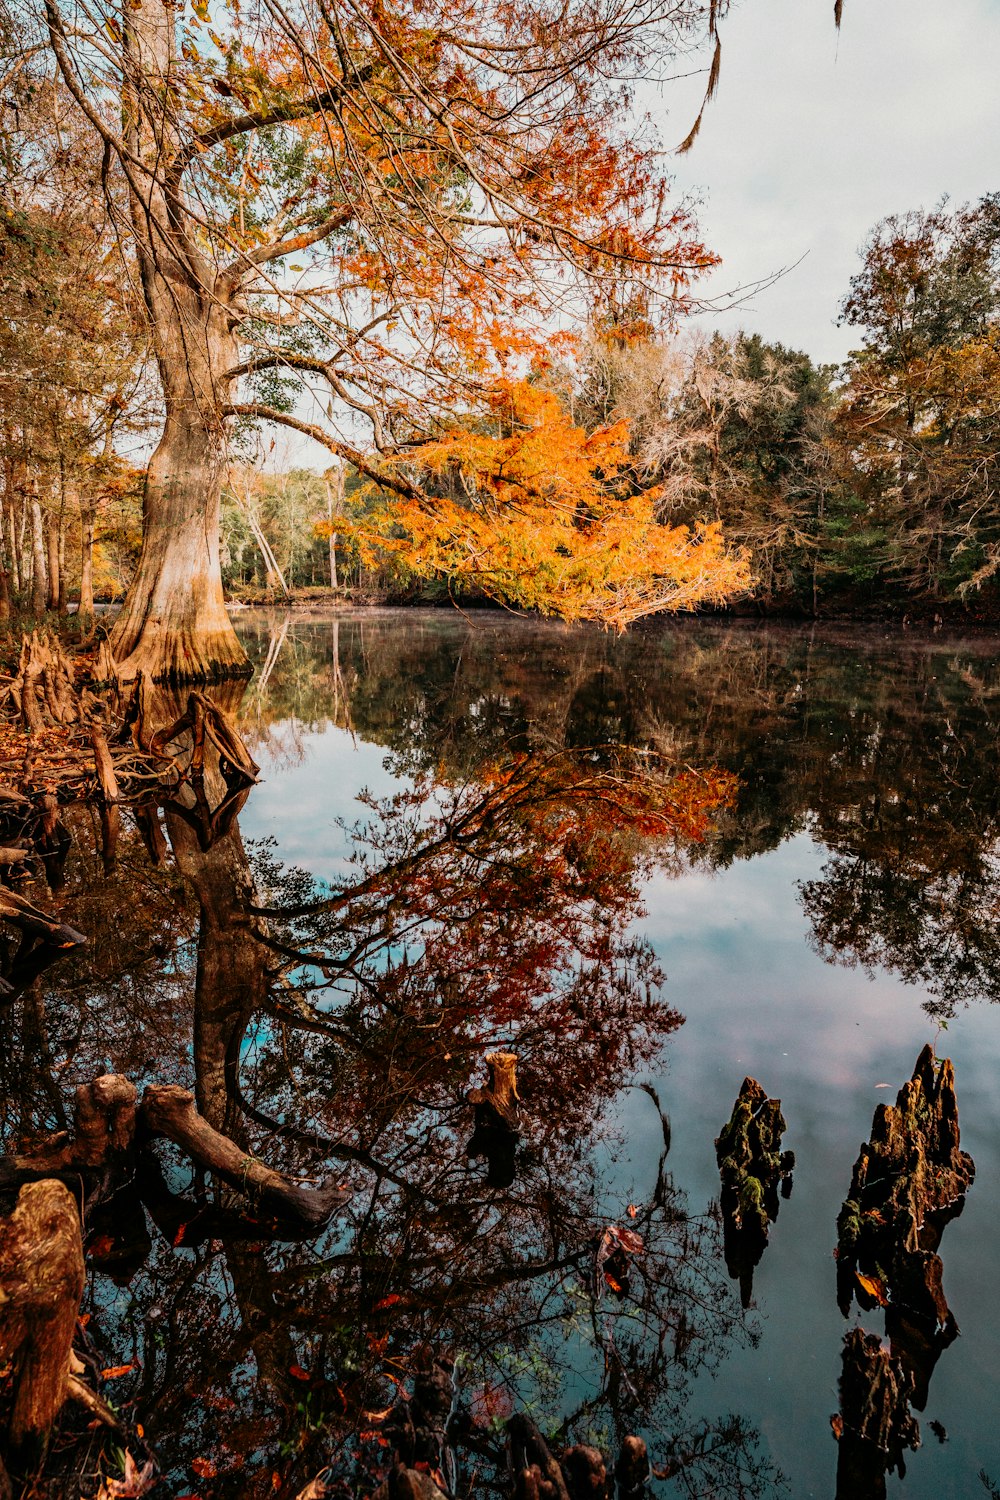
<point x="549" y="517"/>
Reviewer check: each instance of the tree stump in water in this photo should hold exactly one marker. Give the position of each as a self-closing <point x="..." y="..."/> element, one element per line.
<point x="909" y="1180"/>
<point x="632" y="1469"/>
<point x="41" y="1283"/>
<point x="875" y="1427"/>
<point x="497" y="1119"/>
<point x="580" y="1474"/>
<point x="751" y="1164"/>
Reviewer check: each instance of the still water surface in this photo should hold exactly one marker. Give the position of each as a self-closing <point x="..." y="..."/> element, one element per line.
<point x="821" y="901"/>
<point x="841" y="915"/>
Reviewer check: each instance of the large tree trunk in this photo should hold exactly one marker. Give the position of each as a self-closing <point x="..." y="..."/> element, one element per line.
<point x="173" y="623"/>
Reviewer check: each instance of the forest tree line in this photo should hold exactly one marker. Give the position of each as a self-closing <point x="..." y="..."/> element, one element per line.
<point x="869" y="486"/>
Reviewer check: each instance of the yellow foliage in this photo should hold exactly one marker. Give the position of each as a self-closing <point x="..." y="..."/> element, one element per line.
<point x="547" y="518"/>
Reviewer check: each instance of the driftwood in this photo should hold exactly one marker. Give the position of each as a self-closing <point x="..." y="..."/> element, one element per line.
<point x="497" y="1119"/>
<point x="107" y="1143"/>
<point x="41" y="1283"/>
<point x="170" y="1111"/>
<point x="751" y="1165"/>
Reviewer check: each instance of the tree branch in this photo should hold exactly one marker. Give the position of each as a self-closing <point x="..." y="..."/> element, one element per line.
<point x="237" y="268"/>
<point x="364" y="465"/>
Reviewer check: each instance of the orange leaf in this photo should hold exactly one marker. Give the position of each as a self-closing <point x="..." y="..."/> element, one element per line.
<point x="874" y="1288"/>
<point x="297" y="1373"/>
<point x="117" y="1370"/>
<point x="203" y="1467"/>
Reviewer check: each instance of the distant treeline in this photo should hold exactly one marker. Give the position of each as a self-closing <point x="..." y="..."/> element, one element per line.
<point x="869" y="488"/>
<point x="872" y="487"/>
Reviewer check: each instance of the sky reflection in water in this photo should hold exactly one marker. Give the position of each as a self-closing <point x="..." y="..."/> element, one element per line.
<point x="820" y="730"/>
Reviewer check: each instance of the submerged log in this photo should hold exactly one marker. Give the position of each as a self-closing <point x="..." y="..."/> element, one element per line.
<point x="41" y="1283"/>
<point x="170" y="1111"/>
<point x="751" y="1165"/>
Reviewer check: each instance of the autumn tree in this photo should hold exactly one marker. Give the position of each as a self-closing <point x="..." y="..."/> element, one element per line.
<point x="71" y="352"/>
<point x="391" y="208"/>
<point x="918" y="422"/>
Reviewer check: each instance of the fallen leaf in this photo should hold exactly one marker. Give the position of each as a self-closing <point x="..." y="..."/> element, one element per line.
<point x="315" y="1489"/>
<point x="874" y="1288"/>
<point x="136" y="1482"/>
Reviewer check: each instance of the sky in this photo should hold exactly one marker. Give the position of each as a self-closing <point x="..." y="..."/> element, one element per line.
<point x="814" y="136"/>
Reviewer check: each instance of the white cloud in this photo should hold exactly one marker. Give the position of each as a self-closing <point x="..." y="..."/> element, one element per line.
<point x="813" y="137"/>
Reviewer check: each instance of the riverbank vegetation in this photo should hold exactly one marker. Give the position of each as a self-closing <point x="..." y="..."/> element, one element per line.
<point x="864" y="489"/>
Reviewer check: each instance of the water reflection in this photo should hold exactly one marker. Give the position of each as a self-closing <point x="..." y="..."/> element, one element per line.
<point x="882" y="751"/>
<point x="444" y="1029"/>
<point x="429" y="1048"/>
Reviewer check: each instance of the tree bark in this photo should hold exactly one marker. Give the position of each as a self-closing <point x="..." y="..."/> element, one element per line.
<point x="87" y="524"/>
<point x="41" y="1283"/>
<point x="173" y="623"/>
<point x="52" y="562"/>
<point x="39" y="585"/>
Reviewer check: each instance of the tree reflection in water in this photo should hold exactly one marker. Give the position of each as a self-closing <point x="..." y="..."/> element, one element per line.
<point x="341" y="1030"/>
<point x="880" y="746"/>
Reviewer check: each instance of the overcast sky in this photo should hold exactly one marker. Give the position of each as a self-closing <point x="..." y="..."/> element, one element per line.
<point x="816" y="135"/>
<point x="813" y="137"/>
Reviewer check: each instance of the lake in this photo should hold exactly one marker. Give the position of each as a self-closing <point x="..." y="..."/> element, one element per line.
<point x="640" y="869"/>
